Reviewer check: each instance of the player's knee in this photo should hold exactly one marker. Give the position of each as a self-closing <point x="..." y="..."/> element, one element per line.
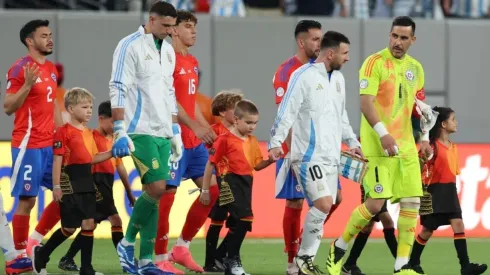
<point x="295" y="203"/>
<point x="457" y="225"/>
<point x="374" y="205"/>
<point x="115" y="220"/>
<point x="426" y="233"/>
<point x="324" y="204"/>
<point x="26" y="203"/>
<point x="68" y="231"/>
<point x="412" y="203"/>
<point x="88" y="224"/>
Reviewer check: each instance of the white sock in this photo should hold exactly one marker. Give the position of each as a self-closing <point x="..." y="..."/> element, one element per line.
<point x="312" y="232"/>
<point x="36" y="236"/>
<point x="126" y="243"/>
<point x="6" y="241"/>
<point x="144" y="262"/>
<point x="181" y="242"/>
<point x="161" y="257"/>
<point x="400" y="262"/>
<point x="340" y="243"/>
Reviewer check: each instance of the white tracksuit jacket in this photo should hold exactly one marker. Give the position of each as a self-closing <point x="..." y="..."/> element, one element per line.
<point x="314" y="107"/>
<point x="142" y="83"/>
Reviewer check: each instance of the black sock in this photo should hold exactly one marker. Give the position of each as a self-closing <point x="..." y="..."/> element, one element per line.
<point x="418" y="248"/>
<point x="222" y="250"/>
<point x="54" y="241"/>
<point x="390" y="239"/>
<point x="117" y="235"/>
<point x="212" y="238"/>
<point x="87" y="245"/>
<point x="235" y="242"/>
<point x="74" y="247"/>
<point x="461" y="249"/>
<point x="357" y="248"/>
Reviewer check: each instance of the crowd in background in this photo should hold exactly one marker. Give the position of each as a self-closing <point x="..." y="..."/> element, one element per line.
<point x="435" y="9"/>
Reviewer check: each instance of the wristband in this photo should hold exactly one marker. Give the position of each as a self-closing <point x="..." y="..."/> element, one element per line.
<point x="56" y="187"/>
<point x="380" y="129"/>
<point x="205" y="191"/>
<point x="176" y="129"/>
<point x="425" y="137"/>
<point x="119" y="125"/>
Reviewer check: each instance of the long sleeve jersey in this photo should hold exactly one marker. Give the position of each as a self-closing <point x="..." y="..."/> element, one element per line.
<point x="314" y="107"/>
<point x="142" y="84"/>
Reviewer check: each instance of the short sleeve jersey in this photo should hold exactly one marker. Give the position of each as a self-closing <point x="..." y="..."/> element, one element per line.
<point x="34" y="120"/>
<point x="281" y="80"/>
<point x="78" y="148"/>
<point x="235" y="155"/>
<point x="104" y="144"/>
<point x="186" y="81"/>
<point x="395" y="83"/>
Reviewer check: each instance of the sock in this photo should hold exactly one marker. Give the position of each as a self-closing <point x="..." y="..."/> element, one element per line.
<point x="407" y="221"/>
<point x="58" y="237"/>
<point x="461" y="249"/>
<point x="291" y="225"/>
<point x="20" y="228"/>
<point x="359" y="218"/>
<point x="148" y="233"/>
<point x="161" y="242"/>
<point x="332" y="210"/>
<point x="212" y="238"/>
<point x="6" y="243"/>
<point x="197" y="215"/>
<point x="75" y="246"/>
<point x="418" y="248"/>
<point x="87" y="246"/>
<point x="235" y="241"/>
<point x="357" y="248"/>
<point x="139" y="217"/>
<point x="49" y="218"/>
<point x="390" y="239"/>
<point x="117" y="235"/>
<point x="222" y="248"/>
<point x="312" y="230"/>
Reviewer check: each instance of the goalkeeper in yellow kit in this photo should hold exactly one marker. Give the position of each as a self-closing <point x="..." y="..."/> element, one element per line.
<point x="389" y="81"/>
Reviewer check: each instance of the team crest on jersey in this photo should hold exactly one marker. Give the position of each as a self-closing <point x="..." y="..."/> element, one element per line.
<point x="409" y="75"/>
<point x="196" y="70"/>
<point x="337" y="84"/>
<point x="53" y="77"/>
<point x="378" y="188"/>
<point x="363" y="84"/>
<point x="169" y="57"/>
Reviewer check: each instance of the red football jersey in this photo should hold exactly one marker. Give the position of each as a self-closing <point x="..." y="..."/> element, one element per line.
<point x="280" y="82"/>
<point x="34" y="120"/>
<point x="186" y="81"/>
<point x="104" y="144"/>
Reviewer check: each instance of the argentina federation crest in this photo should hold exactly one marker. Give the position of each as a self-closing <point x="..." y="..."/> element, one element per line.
<point x="337" y="85"/>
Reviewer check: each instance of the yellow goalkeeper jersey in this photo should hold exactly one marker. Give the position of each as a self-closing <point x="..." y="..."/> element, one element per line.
<point x="395" y="83"/>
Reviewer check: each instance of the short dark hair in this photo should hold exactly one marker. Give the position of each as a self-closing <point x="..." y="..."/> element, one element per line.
<point x="244" y="107"/>
<point x="105" y="109"/>
<point x="404" y="21"/>
<point x="28" y="29"/>
<point x="185" y="16"/>
<point x="163" y="8"/>
<point x="306" y="25"/>
<point x="333" y="39"/>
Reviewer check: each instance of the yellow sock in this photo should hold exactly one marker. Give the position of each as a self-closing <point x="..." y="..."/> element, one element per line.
<point x="359" y="218"/>
<point x="407" y="221"/>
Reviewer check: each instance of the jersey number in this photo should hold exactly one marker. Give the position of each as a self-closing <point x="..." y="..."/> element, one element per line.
<point x="316" y="172"/>
<point x="27" y="172"/>
<point x="192" y="86"/>
<point x="50" y="92"/>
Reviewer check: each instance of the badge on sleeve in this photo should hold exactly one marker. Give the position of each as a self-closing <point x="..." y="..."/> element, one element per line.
<point x="363" y="84"/>
<point x="337" y="84"/>
<point x="212" y="151"/>
<point x="53" y="77"/>
<point x="57" y="145"/>
<point x="280" y="92"/>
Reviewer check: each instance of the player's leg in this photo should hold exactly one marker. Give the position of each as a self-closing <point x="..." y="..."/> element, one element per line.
<point x="87" y="206"/>
<point x="198" y="212"/>
<point x="429" y="225"/>
<point x="336" y="203"/>
<point x="221" y="251"/>
<point x="388" y="229"/>
<point x="218" y="217"/>
<point x="378" y="187"/>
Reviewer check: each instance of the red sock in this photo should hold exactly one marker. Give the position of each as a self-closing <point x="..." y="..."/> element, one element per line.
<point x="197" y="215"/>
<point x="291" y="225"/>
<point x="20" y="226"/>
<point x="49" y="218"/>
<point x="332" y="209"/>
<point x="161" y="242"/>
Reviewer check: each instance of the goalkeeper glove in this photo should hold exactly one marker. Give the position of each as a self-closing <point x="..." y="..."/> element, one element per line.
<point x="123" y="145"/>
<point x="177" y="145"/>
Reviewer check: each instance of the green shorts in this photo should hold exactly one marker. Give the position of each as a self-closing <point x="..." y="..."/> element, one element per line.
<point x="393" y="178"/>
<point x="151" y="157"/>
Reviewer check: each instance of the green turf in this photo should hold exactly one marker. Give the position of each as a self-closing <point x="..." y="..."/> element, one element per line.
<point x="265" y="257"/>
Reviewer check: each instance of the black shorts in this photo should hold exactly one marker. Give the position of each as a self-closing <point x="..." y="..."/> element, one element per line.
<point x="433" y="221"/>
<point x="236" y="196"/>
<point x="220" y="214"/>
<point x="383" y="209"/>
<point x="75" y="208"/>
<point x="105" y="206"/>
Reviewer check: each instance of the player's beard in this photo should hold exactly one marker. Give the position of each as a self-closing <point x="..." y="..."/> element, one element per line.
<point x="45" y="53"/>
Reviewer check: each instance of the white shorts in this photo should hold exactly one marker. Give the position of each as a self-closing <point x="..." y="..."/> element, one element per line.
<point x="317" y="180"/>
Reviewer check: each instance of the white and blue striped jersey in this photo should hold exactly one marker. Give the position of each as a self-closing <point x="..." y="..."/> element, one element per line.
<point x="314" y="108"/>
<point x="471" y="8"/>
<point x="142" y="83"/>
<point x="228" y="8"/>
<point x="187" y="5"/>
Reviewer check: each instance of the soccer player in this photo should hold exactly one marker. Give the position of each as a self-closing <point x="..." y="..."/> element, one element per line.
<point x="195" y="131"/>
<point x="222" y="106"/>
<point x="73" y="186"/>
<point x="440" y="205"/>
<point x="390" y="80"/>
<point x="314" y="107"/>
<point x="31" y="94"/>
<point x="103" y="174"/>
<point x="235" y="156"/>
<point x="143" y="100"/>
